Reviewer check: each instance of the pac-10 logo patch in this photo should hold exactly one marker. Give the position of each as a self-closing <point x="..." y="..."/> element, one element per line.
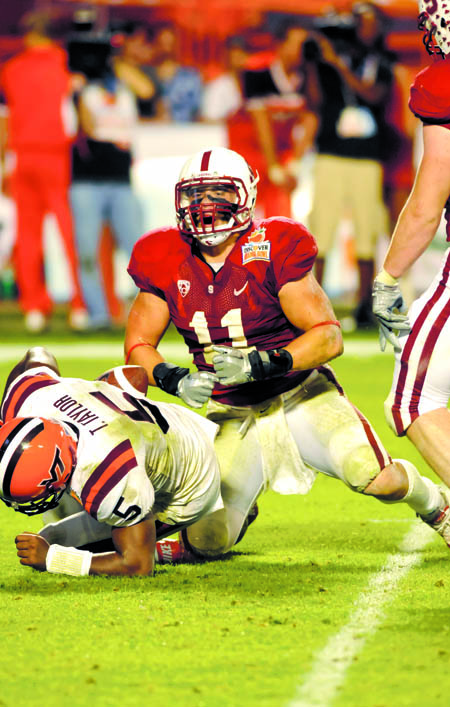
<point x="183" y="286"/>
<point x="257" y="247"/>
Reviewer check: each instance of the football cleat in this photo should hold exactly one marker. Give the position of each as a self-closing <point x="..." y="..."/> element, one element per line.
<point x="171" y="551"/>
<point x="37" y="459"/>
<point x="252" y="516"/>
<point x="253" y="513"/>
<point x="441" y="524"/>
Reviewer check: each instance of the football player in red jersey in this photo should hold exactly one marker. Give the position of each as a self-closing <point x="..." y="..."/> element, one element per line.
<point x="261" y="331"/>
<point x="417" y="403"/>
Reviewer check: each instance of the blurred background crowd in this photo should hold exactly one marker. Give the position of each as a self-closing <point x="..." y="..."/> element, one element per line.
<point x="101" y="102"/>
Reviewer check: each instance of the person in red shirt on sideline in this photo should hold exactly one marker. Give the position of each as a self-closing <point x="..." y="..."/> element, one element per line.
<point x="36" y="85"/>
<point x="261" y="330"/>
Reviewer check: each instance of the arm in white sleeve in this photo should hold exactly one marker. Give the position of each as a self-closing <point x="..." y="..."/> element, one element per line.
<point x="76" y="530"/>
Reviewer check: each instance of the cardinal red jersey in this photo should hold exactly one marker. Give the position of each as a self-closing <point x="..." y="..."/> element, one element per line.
<point x="430" y="94"/>
<point x="430" y="101"/>
<point x="237" y="306"/>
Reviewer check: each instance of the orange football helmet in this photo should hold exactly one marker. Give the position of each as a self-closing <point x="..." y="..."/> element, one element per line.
<point x="37" y="459"/>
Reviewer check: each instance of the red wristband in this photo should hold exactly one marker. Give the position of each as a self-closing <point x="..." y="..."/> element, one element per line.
<point x="141" y="343"/>
<point x="331" y="321"/>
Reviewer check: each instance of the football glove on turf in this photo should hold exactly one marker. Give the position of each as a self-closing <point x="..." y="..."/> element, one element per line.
<point x="233" y="366"/>
<point x="390" y="310"/>
<point x="195" y="389"/>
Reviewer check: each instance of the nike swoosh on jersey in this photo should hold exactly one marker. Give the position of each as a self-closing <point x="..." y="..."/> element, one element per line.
<point x="239" y="292"/>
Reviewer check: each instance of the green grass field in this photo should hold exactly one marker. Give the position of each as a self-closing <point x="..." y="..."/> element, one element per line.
<point x="323" y="603"/>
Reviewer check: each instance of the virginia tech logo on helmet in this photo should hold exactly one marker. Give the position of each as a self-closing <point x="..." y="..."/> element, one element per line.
<point x="37" y="459"/>
<point x="183" y="286"/>
<point x="257" y="247"/>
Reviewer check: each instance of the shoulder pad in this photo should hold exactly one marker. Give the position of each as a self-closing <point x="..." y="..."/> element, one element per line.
<point x="430" y="93"/>
<point x="282" y="228"/>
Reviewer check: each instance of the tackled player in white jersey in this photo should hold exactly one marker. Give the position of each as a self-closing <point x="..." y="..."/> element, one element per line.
<point x="120" y="465"/>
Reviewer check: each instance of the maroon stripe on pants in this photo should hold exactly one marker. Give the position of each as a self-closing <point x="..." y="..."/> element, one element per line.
<point x="379" y="452"/>
<point x="424" y="361"/>
<point x="411" y="340"/>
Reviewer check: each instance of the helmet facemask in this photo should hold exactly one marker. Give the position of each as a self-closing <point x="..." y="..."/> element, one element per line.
<point x="36" y="507"/>
<point x="213" y="203"/>
<point x="434" y="21"/>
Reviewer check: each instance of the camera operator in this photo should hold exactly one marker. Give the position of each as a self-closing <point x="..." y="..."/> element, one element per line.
<point x="353" y="79"/>
<point x="101" y="190"/>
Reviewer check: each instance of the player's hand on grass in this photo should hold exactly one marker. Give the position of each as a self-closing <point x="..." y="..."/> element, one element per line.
<point x="390" y="310"/>
<point x="32" y="550"/>
<point x="196" y="388"/>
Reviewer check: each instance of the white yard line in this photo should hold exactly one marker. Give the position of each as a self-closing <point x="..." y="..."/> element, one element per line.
<point x="365" y="348"/>
<point x="89" y="350"/>
<point x="330" y="666"/>
<point x="92" y="350"/>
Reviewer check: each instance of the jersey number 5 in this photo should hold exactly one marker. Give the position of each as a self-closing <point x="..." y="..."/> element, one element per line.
<point x="130" y="514"/>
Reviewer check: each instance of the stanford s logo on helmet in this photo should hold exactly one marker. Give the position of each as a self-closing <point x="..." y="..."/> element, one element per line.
<point x="434" y="20"/>
<point x="215" y="195"/>
<point x="37" y="458"/>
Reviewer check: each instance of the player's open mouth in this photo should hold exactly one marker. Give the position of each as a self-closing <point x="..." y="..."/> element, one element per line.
<point x="211" y="219"/>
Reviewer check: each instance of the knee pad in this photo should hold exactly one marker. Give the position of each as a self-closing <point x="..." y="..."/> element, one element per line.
<point x="360" y="467"/>
<point x="209" y="537"/>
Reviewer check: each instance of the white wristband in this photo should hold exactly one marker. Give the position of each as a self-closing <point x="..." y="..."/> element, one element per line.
<point x="68" y="560"/>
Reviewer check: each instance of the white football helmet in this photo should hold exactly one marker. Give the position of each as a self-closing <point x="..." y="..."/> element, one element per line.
<point x="434" y="20"/>
<point x="212" y="221"/>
